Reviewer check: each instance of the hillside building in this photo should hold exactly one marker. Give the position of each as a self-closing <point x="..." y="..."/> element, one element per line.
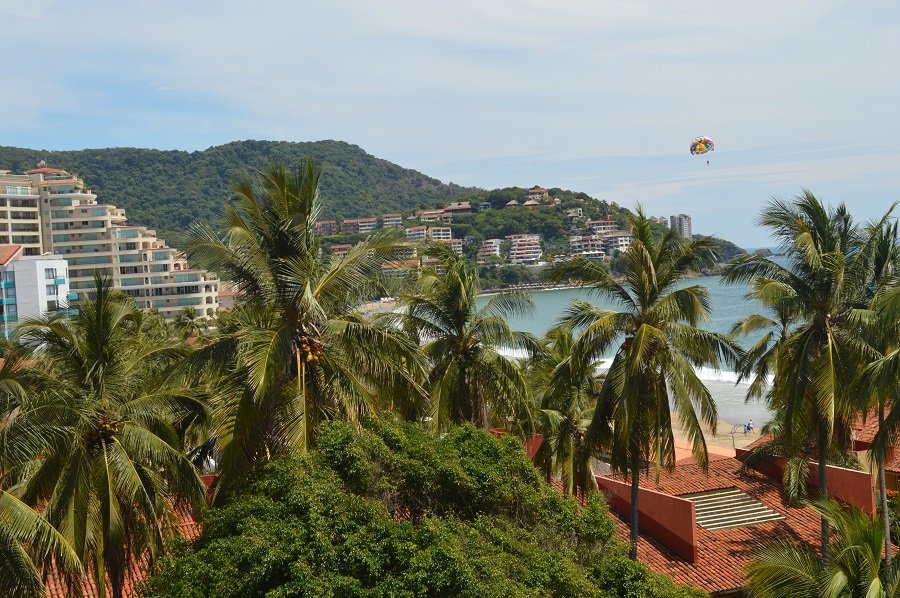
<point x="537" y="194"/>
<point x="525" y="248"/>
<point x="429" y="215"/>
<point x="617" y="241"/>
<point x="458" y="207"/>
<point x="600" y="227"/>
<point x="359" y="226"/>
<point x="490" y="248"/>
<point x="63" y="217"/>
<point x="394" y="220"/>
<point x="417" y="233"/>
<point x="589" y="246"/>
<point x="681" y="224"/>
<point x="327" y="227"/>
<point x="341" y="249"/>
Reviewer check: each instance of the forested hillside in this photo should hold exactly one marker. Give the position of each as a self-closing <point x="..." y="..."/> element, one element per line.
<point x="168" y="190"/>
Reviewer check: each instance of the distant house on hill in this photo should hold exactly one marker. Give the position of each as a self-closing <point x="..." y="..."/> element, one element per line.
<point x="538" y="194"/>
<point x="512" y="204"/>
<point x="459" y="207"/>
<point x="531" y="204"/>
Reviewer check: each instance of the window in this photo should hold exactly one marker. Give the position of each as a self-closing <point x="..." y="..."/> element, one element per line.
<point x="52" y="290"/>
<point x="52" y="305"/>
<point x="49" y="273"/>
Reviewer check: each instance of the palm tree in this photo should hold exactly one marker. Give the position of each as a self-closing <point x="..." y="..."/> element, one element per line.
<point x="94" y="441"/>
<point x="565" y="394"/>
<point x="882" y="334"/>
<point x="294" y="352"/>
<point x="879" y="382"/>
<point x="830" y="264"/>
<point x="470" y="379"/>
<point x="854" y="569"/>
<point x="28" y="543"/>
<point x="656" y="346"/>
<point x="189" y="324"/>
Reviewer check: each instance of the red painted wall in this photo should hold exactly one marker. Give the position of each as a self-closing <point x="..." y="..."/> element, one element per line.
<point x="669" y="519"/>
<point x="849" y="486"/>
<point x="532" y="443"/>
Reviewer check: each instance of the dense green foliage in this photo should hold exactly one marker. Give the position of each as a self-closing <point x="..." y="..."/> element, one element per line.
<point x="657" y="346"/>
<point x="812" y="346"/>
<point x="295" y="354"/>
<point x="390" y="511"/>
<point x="785" y="569"/>
<point x="170" y="190"/>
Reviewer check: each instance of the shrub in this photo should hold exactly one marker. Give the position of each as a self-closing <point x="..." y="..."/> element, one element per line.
<point x="388" y="511"/>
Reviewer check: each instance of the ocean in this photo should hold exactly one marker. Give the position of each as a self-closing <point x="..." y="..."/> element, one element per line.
<point x="729" y="305"/>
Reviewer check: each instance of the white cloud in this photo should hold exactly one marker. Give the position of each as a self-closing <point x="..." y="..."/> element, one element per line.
<point x="433" y="84"/>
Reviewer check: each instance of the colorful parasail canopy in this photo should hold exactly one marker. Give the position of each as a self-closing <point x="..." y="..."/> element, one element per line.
<point x="702" y="145"/>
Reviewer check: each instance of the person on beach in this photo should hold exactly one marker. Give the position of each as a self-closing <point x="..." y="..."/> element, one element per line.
<point x="750" y="426"/>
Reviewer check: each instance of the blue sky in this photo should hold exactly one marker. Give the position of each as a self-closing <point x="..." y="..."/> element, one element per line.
<point x="602" y="97"/>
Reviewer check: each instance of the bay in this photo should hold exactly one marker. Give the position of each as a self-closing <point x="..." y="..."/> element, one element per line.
<point x="729" y="304"/>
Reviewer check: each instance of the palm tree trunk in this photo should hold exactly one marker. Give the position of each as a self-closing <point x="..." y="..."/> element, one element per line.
<point x="823" y="484"/>
<point x="635" y="479"/>
<point x="100" y="574"/>
<point x="308" y="407"/>
<point x="885" y="512"/>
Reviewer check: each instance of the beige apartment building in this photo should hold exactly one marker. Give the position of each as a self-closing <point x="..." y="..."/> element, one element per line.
<point x="48" y="210"/>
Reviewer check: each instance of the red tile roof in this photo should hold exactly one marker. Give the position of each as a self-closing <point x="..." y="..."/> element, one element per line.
<point x="722" y="554"/>
<point x="44" y="170"/>
<point x="59" y="182"/>
<point x="187" y="527"/>
<point x="8" y="252"/>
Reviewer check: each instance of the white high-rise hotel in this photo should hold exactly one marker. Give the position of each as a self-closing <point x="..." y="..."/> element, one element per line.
<point x="48" y="210"/>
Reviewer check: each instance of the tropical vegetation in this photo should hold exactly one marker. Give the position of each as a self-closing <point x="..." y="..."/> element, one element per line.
<point x="813" y="350"/>
<point x="358" y="456"/>
<point x="389" y="510"/>
<point x="656" y="344"/>
<point x="853" y="569"/>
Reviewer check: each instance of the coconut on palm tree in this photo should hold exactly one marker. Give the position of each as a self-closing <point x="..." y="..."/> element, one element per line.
<point x="94" y="441"/>
<point x="294" y="351"/>
<point x="471" y="379"/>
<point x="829" y="266"/>
<point x="565" y="395"/>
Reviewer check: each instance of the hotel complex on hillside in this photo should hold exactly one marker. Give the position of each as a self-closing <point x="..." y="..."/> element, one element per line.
<point x="49" y="211"/>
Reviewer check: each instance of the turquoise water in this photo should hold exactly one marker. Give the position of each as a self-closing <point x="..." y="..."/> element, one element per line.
<point x="729" y="305"/>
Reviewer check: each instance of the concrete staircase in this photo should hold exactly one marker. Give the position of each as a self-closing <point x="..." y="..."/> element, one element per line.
<point x="729" y="507"/>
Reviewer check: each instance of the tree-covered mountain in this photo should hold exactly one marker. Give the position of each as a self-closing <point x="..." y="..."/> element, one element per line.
<point x="169" y="190"/>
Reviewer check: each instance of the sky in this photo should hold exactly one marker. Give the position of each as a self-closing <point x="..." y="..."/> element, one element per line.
<point x="597" y="96"/>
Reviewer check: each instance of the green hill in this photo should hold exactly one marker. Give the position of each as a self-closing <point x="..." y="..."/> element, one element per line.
<point x="168" y="190"/>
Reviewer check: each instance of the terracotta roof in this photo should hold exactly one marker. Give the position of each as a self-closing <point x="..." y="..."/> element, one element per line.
<point x="865" y="429"/>
<point x="8" y="252"/>
<point x="187" y="527"/>
<point x="44" y="170"/>
<point x="722" y="554"/>
<point x="59" y="182"/>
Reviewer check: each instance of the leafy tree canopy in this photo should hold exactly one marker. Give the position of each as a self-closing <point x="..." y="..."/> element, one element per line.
<point x="390" y="511"/>
<point x="170" y="190"/>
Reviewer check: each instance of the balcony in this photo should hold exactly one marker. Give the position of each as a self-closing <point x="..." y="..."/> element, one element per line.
<point x="61" y="280"/>
<point x="8" y="301"/>
<point x="72" y="296"/>
<point x="8" y="284"/>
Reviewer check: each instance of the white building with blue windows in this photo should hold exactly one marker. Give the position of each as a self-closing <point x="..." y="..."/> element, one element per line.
<point x="31" y="286"/>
